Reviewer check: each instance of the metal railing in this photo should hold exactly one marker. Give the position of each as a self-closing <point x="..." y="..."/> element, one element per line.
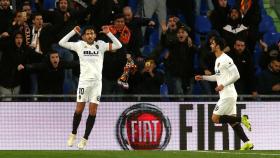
<point x="137" y="97"/>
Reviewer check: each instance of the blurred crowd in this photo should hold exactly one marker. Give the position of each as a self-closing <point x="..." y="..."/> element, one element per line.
<point x="165" y="43"/>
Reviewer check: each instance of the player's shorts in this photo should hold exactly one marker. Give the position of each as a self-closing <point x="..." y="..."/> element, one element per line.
<point x="226" y="106"/>
<point x="89" y="91"/>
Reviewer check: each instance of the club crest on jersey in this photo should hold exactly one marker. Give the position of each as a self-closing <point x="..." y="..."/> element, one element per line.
<point x="218" y="65"/>
<point x="97" y="46"/>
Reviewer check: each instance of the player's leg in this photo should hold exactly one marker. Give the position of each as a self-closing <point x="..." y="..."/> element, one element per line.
<point x="89" y="125"/>
<point x="76" y="122"/>
<point x="248" y="145"/>
<point x="94" y="97"/>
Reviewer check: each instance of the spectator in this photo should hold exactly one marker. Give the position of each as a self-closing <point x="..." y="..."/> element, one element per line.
<point x="168" y="36"/>
<point x="148" y="79"/>
<point x="269" y="52"/>
<point x="179" y="63"/>
<point x="244" y="62"/>
<point x="50" y="73"/>
<point x="269" y="79"/>
<point x="134" y="24"/>
<point x="234" y="28"/>
<point x="6" y="17"/>
<point x="114" y="62"/>
<point x="15" y="52"/>
<point x="251" y="17"/>
<point x="186" y="9"/>
<point x="19" y="24"/>
<point x="219" y="15"/>
<point x="26" y="7"/>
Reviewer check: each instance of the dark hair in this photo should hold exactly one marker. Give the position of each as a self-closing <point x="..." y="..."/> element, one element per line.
<point x="88" y="28"/>
<point x="36" y="14"/>
<point x="118" y="16"/>
<point x="219" y="41"/>
<point x="240" y="38"/>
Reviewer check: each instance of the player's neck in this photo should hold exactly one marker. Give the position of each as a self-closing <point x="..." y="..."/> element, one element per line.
<point x="218" y="53"/>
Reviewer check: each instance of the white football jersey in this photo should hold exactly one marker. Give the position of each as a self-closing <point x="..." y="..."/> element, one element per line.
<point x="223" y="71"/>
<point x="91" y="58"/>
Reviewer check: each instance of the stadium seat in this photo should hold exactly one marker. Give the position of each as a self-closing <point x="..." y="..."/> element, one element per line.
<point x="231" y="3"/>
<point x="266" y="25"/>
<point x="271" y="38"/>
<point x="202" y="24"/>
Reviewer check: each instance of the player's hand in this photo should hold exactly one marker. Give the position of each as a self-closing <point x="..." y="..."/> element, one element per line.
<point x="20" y="67"/>
<point x="219" y="88"/>
<point x="77" y="29"/>
<point x="105" y="29"/>
<point x="198" y="77"/>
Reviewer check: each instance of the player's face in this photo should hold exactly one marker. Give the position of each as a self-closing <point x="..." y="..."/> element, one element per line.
<point x="89" y="36"/>
<point x="239" y="46"/>
<point x="213" y="45"/>
<point x="54" y="59"/>
<point x="18" y="40"/>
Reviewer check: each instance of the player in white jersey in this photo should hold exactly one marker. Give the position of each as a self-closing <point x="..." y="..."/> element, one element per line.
<point x="226" y="73"/>
<point x="91" y="55"/>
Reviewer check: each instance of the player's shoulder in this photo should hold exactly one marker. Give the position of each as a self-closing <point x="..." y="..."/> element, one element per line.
<point x="226" y="58"/>
<point x="101" y="43"/>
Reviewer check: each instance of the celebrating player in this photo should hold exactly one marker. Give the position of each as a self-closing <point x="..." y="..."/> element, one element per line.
<point x="226" y="73"/>
<point x="91" y="55"/>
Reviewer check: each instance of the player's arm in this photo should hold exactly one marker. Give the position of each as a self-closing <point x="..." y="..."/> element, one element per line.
<point x="64" y="41"/>
<point x="206" y="77"/>
<point x="116" y="43"/>
<point x="234" y="74"/>
<point x="211" y="78"/>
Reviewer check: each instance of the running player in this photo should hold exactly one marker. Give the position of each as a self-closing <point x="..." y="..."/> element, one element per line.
<point x="226" y="73"/>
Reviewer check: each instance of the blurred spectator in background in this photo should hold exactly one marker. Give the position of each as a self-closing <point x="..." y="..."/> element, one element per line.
<point x="6" y="17"/>
<point x="251" y="17"/>
<point x="148" y="79"/>
<point x="19" y="24"/>
<point x="26" y="7"/>
<point x="50" y="73"/>
<point x="158" y="7"/>
<point x="168" y="37"/>
<point x="269" y="52"/>
<point x="269" y="79"/>
<point x="179" y="63"/>
<point x="244" y="62"/>
<point x="134" y="24"/>
<point x="103" y="12"/>
<point x="114" y="62"/>
<point x="15" y="52"/>
<point x="219" y="15"/>
<point x="185" y="9"/>
<point x="234" y="28"/>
